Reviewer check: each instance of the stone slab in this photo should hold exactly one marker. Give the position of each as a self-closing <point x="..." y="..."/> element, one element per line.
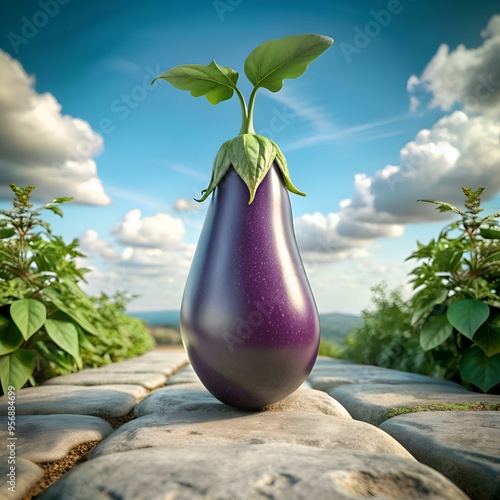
<point x="47" y="438"/>
<point x="185" y="376"/>
<point x="138" y="367"/>
<point x="328" y="376"/>
<point x="149" y="380"/>
<point x="166" y="362"/>
<point x="462" y="445"/>
<point x="105" y="401"/>
<point x="27" y="475"/>
<point x="372" y="402"/>
<point x="189" y="427"/>
<point x="194" y="397"/>
<point x="227" y="472"/>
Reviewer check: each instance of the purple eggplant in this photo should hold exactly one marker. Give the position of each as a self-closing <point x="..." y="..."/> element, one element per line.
<point x="249" y="321"/>
<point x="248" y="318"/>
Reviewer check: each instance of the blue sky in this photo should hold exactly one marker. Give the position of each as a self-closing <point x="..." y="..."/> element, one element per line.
<point x="404" y="105"/>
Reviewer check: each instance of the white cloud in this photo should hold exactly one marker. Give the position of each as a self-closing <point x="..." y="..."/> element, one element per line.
<point x="468" y="77"/>
<point x="414" y="103"/>
<point x="147" y="257"/>
<point x="90" y="243"/>
<point x="457" y="151"/>
<point x="159" y="231"/>
<point x="39" y="145"/>
<point x="182" y="205"/>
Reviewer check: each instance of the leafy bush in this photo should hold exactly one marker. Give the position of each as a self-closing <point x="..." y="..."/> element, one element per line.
<point x="456" y="306"/>
<point x="386" y="337"/>
<point x="450" y="328"/>
<point x="48" y="325"/>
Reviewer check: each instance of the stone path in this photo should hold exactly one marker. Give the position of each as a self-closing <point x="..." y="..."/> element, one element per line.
<point x="350" y="432"/>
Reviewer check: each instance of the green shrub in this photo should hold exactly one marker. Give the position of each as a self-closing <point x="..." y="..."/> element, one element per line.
<point x="386" y="337"/>
<point x="330" y="349"/>
<point x="456" y="305"/>
<point x="450" y="328"/>
<point x="48" y="325"/>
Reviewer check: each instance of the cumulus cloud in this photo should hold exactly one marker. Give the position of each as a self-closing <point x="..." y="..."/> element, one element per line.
<point x="41" y="146"/>
<point x="457" y="151"/>
<point x="145" y="256"/>
<point x="159" y="231"/>
<point x="182" y="205"/>
<point x="468" y="77"/>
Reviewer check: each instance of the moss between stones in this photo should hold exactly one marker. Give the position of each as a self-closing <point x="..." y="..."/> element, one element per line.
<point x="475" y="406"/>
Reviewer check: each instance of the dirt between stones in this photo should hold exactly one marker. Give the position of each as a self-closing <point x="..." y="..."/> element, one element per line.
<point x="77" y="455"/>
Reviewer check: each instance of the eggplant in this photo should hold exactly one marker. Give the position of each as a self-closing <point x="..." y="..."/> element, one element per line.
<point x="249" y="322"/>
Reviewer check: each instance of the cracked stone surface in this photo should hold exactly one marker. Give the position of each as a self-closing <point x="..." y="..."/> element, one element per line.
<point x="189" y="427"/>
<point x="462" y="445"/>
<point x="105" y="401"/>
<point x="371" y="402"/>
<point x="280" y="471"/>
<point x="47" y="438"/>
<point x="194" y="397"/>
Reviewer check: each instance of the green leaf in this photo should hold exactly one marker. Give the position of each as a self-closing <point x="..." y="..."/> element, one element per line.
<point x="487" y="336"/>
<point x="10" y="337"/>
<point x="479" y="369"/>
<point x="16" y="368"/>
<point x="283" y="166"/>
<point x="63" y="199"/>
<point x="74" y="314"/>
<point x="424" y="306"/>
<point x="468" y="315"/>
<point x="216" y="83"/>
<point x="7" y="233"/>
<point x="442" y="206"/>
<point x="83" y="341"/>
<point x="491" y="258"/>
<point x="29" y="315"/>
<point x="251" y="155"/>
<point x="490" y="234"/>
<point x="55" y="209"/>
<point x="270" y="63"/>
<point x="65" y="335"/>
<point x="435" y="331"/>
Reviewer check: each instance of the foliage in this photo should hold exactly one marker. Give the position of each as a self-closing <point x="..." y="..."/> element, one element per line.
<point x="267" y="66"/>
<point x="386" y="337"/>
<point x="330" y="349"/>
<point x="48" y="325"/>
<point x="456" y="305"/>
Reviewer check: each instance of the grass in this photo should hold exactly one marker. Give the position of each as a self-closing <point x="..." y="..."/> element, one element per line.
<point x="475" y="406"/>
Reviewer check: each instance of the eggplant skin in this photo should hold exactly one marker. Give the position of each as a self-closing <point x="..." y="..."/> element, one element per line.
<point x="249" y="321"/>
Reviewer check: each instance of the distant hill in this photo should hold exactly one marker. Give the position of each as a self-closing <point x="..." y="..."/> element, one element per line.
<point x="159" y="318"/>
<point x="334" y="326"/>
